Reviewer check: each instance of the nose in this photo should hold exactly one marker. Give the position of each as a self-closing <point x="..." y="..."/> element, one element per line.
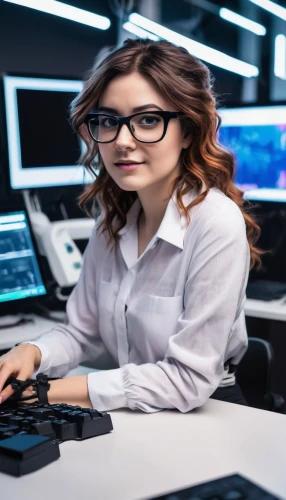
<point x="125" y="139"/>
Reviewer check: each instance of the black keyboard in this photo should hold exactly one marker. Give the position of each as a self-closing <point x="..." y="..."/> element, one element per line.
<point x="60" y="422"/>
<point x="30" y="434"/>
<point x="234" y="487"/>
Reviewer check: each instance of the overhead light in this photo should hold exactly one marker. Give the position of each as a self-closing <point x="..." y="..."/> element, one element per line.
<point x="66" y="11"/>
<point x="197" y="49"/>
<point x="272" y="7"/>
<point x="242" y="21"/>
<point x="230" y="16"/>
<point x="280" y="57"/>
<point x="135" y="30"/>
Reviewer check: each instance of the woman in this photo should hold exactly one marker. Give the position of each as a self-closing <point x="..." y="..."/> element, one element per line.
<point x="162" y="287"/>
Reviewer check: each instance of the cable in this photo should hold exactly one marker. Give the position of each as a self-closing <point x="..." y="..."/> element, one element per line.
<point x="46" y="313"/>
<point x="59" y="295"/>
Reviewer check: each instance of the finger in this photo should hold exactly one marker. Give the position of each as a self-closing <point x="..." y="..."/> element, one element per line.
<point x="29" y="391"/>
<point x="8" y="391"/>
<point x="6" y="371"/>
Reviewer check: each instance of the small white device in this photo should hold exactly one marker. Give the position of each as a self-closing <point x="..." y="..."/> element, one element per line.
<point x="55" y="240"/>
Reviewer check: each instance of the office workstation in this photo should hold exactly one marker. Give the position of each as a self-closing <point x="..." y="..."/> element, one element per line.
<point x="152" y="414"/>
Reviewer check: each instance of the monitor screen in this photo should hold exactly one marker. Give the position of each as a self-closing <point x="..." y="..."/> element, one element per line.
<point x="20" y="276"/>
<point x="257" y="137"/>
<point x="43" y="150"/>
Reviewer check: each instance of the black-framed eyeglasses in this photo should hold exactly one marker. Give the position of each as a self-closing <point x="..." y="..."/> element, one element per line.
<point x="147" y="126"/>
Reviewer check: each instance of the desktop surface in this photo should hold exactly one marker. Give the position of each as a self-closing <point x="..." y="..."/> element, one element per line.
<point x="149" y="455"/>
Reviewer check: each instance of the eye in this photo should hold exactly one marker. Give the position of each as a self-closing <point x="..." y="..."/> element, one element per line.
<point x="108" y="122"/>
<point x="149" y="120"/>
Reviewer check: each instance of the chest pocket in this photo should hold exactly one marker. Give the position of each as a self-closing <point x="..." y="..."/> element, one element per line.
<point x="157" y="319"/>
<point x="106" y="303"/>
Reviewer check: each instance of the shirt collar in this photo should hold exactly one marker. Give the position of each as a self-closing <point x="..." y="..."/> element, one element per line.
<point x="174" y="224"/>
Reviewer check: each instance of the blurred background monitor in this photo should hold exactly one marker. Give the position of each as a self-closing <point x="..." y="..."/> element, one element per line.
<point x="257" y="137"/>
<point x="42" y="150"/>
<point x="20" y="275"/>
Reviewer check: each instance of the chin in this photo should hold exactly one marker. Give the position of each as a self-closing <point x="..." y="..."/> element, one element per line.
<point x="129" y="184"/>
<point x="129" y="187"/>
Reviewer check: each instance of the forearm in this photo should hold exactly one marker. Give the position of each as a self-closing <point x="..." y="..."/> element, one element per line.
<point x="71" y="390"/>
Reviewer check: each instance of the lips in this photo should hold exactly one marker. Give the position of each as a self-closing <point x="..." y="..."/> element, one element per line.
<point x="128" y="166"/>
<point x="127" y="162"/>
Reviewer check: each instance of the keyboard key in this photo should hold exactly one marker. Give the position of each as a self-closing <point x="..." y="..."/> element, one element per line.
<point x="40" y="413"/>
<point x="61" y="413"/>
<point x="4" y="418"/>
<point x="100" y="425"/>
<point x="26" y="424"/>
<point x="65" y="430"/>
<point x="78" y="417"/>
<point x="43" y="429"/>
<point x="6" y="430"/>
<point x="15" y="420"/>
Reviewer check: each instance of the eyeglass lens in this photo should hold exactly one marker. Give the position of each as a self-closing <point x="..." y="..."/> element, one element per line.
<point x="147" y="127"/>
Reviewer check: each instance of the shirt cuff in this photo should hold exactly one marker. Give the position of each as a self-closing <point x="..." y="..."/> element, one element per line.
<point x="106" y="390"/>
<point x="45" y="358"/>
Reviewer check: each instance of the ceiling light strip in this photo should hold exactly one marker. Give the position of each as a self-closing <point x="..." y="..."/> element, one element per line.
<point x="272" y="7"/>
<point x="66" y="11"/>
<point x="197" y="49"/>
<point x="135" y="30"/>
<point x="242" y="21"/>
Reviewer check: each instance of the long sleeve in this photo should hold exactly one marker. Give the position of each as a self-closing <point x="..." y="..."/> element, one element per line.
<point x="206" y="330"/>
<point x="66" y="346"/>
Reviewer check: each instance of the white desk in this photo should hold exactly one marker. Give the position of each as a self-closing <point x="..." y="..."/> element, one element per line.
<point x="150" y="454"/>
<point x="29" y="331"/>
<point x="273" y="309"/>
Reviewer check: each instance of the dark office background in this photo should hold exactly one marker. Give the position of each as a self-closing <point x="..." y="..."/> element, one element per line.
<point x="38" y="43"/>
<point x="33" y="42"/>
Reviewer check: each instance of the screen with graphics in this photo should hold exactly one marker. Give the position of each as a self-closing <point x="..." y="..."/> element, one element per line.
<point x="20" y="275"/>
<point x="257" y="137"/>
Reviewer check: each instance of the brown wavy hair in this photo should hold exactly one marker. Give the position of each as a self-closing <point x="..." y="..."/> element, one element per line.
<point x="188" y="84"/>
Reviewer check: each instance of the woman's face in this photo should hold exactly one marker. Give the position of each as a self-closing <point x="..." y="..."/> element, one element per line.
<point x="159" y="162"/>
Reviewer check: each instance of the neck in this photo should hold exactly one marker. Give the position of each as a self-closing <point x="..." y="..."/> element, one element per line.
<point x="152" y="212"/>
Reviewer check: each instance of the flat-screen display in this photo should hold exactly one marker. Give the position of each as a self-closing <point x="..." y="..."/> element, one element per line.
<point x="42" y="148"/>
<point x="20" y="276"/>
<point x="257" y="137"/>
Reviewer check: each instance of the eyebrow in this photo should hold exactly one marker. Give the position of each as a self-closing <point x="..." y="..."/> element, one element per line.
<point x="135" y="110"/>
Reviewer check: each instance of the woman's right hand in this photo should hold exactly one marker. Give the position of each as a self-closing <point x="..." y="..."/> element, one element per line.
<point x="20" y="362"/>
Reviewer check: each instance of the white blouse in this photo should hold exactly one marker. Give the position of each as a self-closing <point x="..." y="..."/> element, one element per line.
<point x="170" y="319"/>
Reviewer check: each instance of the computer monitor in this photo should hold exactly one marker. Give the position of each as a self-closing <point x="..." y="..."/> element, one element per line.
<point x="42" y="149"/>
<point x="257" y="137"/>
<point x="20" y="275"/>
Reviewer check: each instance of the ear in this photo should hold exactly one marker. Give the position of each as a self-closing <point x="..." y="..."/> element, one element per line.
<point x="186" y="136"/>
<point x="186" y="141"/>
